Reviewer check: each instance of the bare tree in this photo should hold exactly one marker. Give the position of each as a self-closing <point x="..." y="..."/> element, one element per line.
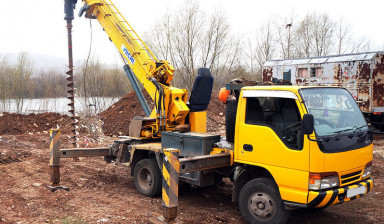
<point x="286" y="35"/>
<point x="159" y="37"/>
<point x="91" y="85"/>
<point x="361" y="44"/>
<point x="95" y="81"/>
<point x="221" y="52"/>
<point x="319" y="35"/>
<point x="228" y="68"/>
<point x="214" y="41"/>
<point x="260" y="49"/>
<point x="191" y="39"/>
<point x="116" y="83"/>
<point x="189" y="29"/>
<point x="5" y="70"/>
<point x="304" y="37"/>
<point x="249" y="55"/>
<point x="343" y="37"/>
<point x="323" y="30"/>
<point x="264" y="44"/>
<point x="20" y="80"/>
<point x="48" y="83"/>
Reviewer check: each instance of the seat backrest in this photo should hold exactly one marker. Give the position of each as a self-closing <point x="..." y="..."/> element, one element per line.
<point x="201" y="91"/>
<point x="286" y="114"/>
<point x="289" y="111"/>
<point x="255" y="112"/>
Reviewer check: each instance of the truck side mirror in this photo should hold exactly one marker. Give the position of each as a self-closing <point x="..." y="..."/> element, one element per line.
<point x="307" y="124"/>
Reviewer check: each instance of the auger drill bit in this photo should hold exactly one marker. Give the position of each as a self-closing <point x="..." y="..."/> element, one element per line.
<point x="69" y="6"/>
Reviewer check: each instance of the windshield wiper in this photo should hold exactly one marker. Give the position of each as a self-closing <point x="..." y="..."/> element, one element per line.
<point x="336" y="133"/>
<point x="354" y="129"/>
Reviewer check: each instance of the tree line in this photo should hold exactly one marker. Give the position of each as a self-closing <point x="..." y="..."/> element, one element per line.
<point x="20" y="80"/>
<point x="190" y="38"/>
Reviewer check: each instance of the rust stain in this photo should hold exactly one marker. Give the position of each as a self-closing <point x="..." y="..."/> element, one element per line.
<point x="364" y="79"/>
<point x="267" y="74"/>
<point x="364" y="97"/>
<point x="378" y="87"/>
<point x="337" y="72"/>
<point x="364" y="71"/>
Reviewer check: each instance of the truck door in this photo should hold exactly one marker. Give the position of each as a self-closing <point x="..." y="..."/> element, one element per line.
<point x="268" y="134"/>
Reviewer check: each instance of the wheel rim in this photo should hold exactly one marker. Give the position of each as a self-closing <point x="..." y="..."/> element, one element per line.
<point x="262" y="206"/>
<point x="145" y="179"/>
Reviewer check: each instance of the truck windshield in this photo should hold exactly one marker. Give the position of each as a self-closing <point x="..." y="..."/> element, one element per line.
<point x="334" y="110"/>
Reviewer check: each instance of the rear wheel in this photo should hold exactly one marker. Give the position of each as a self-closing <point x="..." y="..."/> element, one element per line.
<point x="147" y="177"/>
<point x="260" y="202"/>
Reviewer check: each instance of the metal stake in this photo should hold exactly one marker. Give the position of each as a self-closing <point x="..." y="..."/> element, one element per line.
<point x="54" y="160"/>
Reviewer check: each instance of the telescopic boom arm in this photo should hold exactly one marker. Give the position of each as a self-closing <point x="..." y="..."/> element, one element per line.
<point x="141" y="65"/>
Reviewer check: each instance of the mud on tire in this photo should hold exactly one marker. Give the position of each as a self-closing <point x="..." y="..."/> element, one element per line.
<point x="260" y="202"/>
<point x="147" y="178"/>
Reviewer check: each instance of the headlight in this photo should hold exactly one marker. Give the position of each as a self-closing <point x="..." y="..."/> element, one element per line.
<point x="320" y="181"/>
<point x="367" y="170"/>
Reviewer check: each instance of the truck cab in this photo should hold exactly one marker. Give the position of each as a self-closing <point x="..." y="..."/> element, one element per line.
<point x="298" y="147"/>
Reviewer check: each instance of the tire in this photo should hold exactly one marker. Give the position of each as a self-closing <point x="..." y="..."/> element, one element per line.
<point x="378" y="122"/>
<point x="147" y="178"/>
<point x="230" y="119"/>
<point x="260" y="202"/>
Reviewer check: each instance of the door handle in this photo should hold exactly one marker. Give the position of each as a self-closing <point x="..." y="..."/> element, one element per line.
<point x="248" y="148"/>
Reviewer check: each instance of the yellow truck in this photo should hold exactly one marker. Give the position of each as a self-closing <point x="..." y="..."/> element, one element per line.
<point x="298" y="147"/>
<point x="294" y="147"/>
<point x="286" y="147"/>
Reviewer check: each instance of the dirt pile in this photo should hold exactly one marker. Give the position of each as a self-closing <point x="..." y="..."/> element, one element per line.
<point x="13" y="124"/>
<point x="116" y="118"/>
<point x="215" y="114"/>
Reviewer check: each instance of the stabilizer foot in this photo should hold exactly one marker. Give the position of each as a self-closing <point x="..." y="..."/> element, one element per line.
<point x="161" y="220"/>
<point x="169" y="213"/>
<point x="55" y="188"/>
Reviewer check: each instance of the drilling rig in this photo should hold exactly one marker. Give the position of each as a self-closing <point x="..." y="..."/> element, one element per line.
<point x="286" y="147"/>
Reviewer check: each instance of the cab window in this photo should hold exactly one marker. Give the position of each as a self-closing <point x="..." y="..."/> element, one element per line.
<point x="280" y="114"/>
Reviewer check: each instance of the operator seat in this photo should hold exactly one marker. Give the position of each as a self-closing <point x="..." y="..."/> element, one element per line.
<point x="201" y="91"/>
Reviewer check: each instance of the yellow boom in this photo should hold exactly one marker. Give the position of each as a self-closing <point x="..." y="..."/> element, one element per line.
<point x="153" y="74"/>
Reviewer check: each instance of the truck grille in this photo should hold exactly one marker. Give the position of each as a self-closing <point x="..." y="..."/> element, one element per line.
<point x="350" y="177"/>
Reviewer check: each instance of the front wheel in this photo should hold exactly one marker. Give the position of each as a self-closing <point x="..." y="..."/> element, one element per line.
<point x="147" y="177"/>
<point x="260" y="202"/>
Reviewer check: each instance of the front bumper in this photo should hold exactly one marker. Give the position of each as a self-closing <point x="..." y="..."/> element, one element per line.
<point x="337" y="196"/>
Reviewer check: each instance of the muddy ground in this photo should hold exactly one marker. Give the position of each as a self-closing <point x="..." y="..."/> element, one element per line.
<point x="101" y="192"/>
<point x="105" y="192"/>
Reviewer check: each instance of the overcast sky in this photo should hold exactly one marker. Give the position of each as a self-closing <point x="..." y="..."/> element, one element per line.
<point x="37" y="26"/>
